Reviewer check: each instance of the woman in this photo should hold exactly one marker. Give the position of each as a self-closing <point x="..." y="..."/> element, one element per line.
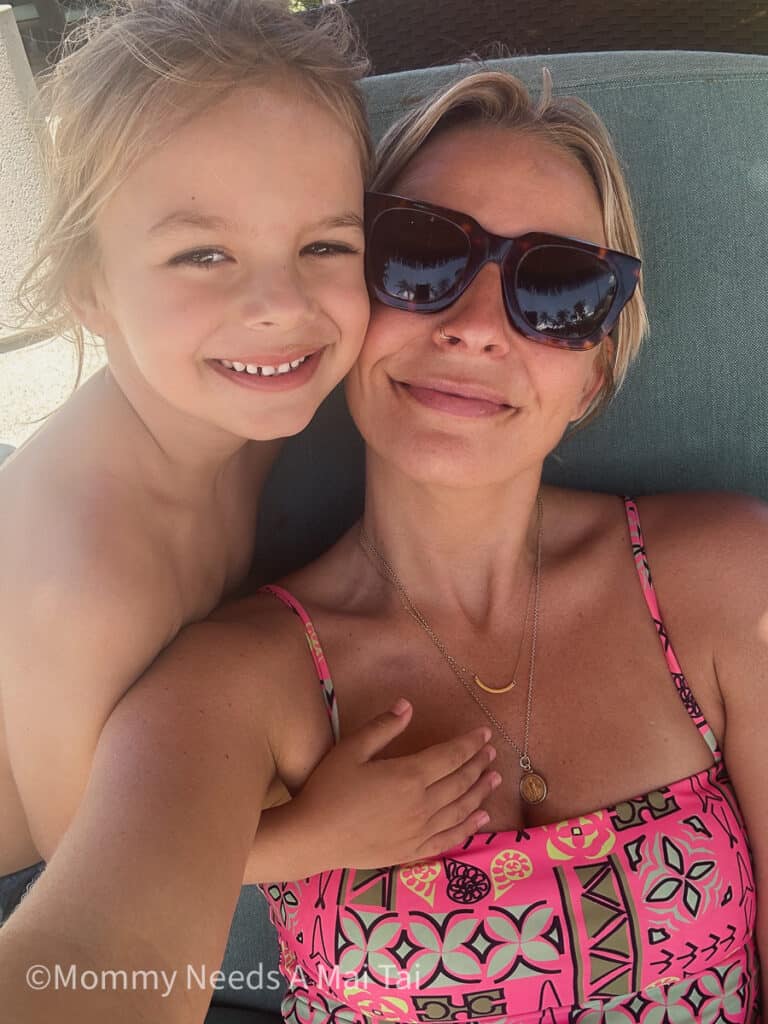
<point x="485" y="599"/>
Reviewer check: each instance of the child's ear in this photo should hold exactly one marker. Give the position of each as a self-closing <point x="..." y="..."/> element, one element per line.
<point x="86" y="292"/>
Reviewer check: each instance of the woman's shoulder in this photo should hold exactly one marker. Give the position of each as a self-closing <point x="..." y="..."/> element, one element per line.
<point x="705" y="507"/>
<point x="706" y="526"/>
<point x="259" y="618"/>
<point x="267" y="629"/>
<point x="708" y="552"/>
<point x="263" y="646"/>
<point x="680" y="520"/>
<point x="699" y="543"/>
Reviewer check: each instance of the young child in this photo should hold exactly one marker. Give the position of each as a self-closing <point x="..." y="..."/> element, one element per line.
<point x="206" y="165"/>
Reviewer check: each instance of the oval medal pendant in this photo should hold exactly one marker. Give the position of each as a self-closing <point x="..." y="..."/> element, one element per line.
<point x="533" y="787"/>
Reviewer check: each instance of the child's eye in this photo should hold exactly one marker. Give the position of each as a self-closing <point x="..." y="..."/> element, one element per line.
<point x="200" y="258"/>
<point x="329" y="249"/>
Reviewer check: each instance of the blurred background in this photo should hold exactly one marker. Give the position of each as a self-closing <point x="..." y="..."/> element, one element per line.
<point x="402" y="34"/>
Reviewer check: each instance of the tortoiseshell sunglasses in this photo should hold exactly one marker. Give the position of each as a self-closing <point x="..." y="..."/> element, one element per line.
<point x="557" y="291"/>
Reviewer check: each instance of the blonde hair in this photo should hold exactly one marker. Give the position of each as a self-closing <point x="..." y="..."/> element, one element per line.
<point x="130" y="77"/>
<point x="499" y="98"/>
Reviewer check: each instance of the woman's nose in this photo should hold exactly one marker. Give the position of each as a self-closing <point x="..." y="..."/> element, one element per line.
<point x="477" y="321"/>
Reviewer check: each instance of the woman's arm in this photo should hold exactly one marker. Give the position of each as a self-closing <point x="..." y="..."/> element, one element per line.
<point x="709" y="557"/>
<point x="147" y="877"/>
<point x="738" y="545"/>
<point x="720" y="548"/>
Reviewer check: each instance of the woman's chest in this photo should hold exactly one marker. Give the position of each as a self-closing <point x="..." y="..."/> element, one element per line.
<point x="601" y="718"/>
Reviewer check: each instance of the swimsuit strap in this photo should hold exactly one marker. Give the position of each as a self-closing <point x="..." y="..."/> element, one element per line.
<point x="321" y="665"/>
<point x="649" y="593"/>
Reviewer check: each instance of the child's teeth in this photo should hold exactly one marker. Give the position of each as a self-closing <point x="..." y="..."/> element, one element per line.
<point x="262" y="371"/>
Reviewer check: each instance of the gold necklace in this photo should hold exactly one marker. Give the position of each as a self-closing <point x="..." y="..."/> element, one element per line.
<point x="533" y="786"/>
<point x="513" y="681"/>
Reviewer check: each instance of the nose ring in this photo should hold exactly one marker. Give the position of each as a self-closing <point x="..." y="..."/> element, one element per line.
<point x="451" y="338"/>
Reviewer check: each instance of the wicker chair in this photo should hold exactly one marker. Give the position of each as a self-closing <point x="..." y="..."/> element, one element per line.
<point x="403" y="34"/>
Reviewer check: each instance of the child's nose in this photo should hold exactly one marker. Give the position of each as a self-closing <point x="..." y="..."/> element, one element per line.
<point x="276" y="298"/>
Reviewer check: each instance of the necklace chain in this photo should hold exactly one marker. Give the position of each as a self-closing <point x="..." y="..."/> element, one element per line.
<point x="386" y="570"/>
<point x="513" y="681"/>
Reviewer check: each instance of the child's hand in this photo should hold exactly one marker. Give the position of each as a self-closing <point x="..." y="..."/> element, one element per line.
<point x="356" y="811"/>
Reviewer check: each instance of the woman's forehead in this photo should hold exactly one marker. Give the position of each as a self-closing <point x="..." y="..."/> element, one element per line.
<point x="508" y="180"/>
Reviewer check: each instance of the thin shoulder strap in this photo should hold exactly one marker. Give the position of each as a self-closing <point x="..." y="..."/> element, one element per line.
<point x="649" y="593"/>
<point x="315" y="649"/>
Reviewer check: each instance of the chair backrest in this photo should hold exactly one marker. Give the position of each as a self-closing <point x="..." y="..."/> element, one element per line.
<point x="403" y="34"/>
<point x="692" y="132"/>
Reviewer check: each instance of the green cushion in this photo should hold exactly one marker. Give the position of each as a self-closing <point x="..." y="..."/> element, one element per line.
<point x="233" y="1015"/>
<point x="692" y="131"/>
<point x="252" y="951"/>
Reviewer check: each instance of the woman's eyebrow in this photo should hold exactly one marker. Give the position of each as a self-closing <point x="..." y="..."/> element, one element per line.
<point x="195" y="219"/>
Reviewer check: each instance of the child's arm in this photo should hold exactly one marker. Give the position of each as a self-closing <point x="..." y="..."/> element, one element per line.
<point x="357" y="811"/>
<point x="146" y="879"/>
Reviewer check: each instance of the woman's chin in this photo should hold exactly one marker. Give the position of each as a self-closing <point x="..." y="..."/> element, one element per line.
<point x="445" y="462"/>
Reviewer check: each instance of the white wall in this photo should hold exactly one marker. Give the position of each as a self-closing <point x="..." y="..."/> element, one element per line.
<point x="20" y="171"/>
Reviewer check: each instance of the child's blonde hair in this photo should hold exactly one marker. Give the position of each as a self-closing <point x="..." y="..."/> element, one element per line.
<point x="130" y="77"/>
<point x="499" y="98"/>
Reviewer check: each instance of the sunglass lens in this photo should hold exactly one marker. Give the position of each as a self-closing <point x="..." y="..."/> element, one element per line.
<point x="416" y="257"/>
<point x="564" y="292"/>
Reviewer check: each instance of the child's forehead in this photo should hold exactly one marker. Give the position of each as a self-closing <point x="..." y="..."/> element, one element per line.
<point x="185" y="114"/>
<point x="248" y="157"/>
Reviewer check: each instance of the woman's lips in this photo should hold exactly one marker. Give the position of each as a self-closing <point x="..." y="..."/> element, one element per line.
<point x="458" y="405"/>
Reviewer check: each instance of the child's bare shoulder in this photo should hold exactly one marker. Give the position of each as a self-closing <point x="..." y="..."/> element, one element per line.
<point x="81" y="565"/>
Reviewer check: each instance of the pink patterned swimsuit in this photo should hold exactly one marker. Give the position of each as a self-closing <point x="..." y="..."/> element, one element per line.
<point x="641" y="912"/>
